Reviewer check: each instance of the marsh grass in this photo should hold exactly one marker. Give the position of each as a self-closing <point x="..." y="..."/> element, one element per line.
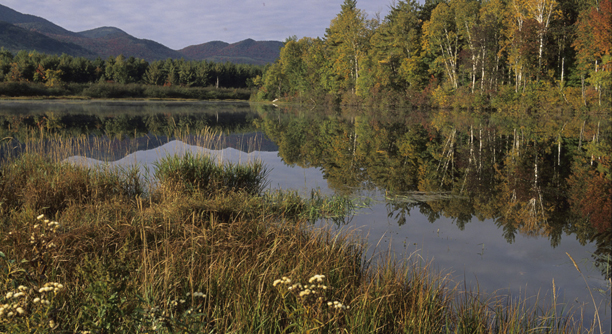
<point x="209" y="251"/>
<point x="190" y="172"/>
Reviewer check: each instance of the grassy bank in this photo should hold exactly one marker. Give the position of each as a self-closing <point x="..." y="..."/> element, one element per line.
<point x="207" y="250"/>
<point x="106" y="90"/>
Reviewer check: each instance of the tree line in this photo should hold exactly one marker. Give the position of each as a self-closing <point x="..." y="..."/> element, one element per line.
<point x="447" y="48"/>
<point x="54" y="70"/>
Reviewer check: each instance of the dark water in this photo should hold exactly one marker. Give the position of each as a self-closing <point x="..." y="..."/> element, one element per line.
<point x="500" y="201"/>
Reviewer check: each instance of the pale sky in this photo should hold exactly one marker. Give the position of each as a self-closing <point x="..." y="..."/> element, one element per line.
<point x="180" y="23"/>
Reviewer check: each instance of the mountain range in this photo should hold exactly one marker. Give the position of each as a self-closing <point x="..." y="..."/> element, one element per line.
<point x="28" y="32"/>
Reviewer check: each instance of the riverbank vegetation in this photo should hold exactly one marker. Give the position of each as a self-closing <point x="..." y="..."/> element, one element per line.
<point x="86" y="250"/>
<point x="36" y="74"/>
<point x="527" y="55"/>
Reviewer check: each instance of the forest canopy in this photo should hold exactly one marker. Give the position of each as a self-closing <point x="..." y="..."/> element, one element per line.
<point x="54" y="70"/>
<point x="452" y="53"/>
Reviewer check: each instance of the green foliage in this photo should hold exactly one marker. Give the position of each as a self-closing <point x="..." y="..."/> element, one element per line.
<point x="60" y="71"/>
<point x="203" y="173"/>
<point x="459" y="53"/>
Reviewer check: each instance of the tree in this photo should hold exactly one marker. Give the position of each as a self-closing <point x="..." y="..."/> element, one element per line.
<point x="540" y="11"/>
<point x="155" y="73"/>
<point x="490" y="41"/>
<point x="440" y="38"/>
<point x="396" y="49"/>
<point x="347" y="43"/>
<point x="594" y="45"/>
<point x="466" y="16"/>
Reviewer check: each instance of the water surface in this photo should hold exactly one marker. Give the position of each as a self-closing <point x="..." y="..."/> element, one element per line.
<point x="495" y="200"/>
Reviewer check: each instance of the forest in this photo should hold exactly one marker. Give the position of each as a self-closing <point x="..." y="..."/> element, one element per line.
<point x="34" y="73"/>
<point x="461" y="53"/>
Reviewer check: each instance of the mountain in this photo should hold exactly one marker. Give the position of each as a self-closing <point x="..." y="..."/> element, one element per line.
<point x="31" y="22"/>
<point x="14" y="39"/>
<point x="111" y="42"/>
<point x="247" y="51"/>
<point x="29" y="32"/>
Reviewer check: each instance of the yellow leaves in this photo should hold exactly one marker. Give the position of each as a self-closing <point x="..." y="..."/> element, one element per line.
<point x="540" y="10"/>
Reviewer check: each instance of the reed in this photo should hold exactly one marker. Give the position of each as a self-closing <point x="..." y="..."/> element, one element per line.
<point x="190" y="172"/>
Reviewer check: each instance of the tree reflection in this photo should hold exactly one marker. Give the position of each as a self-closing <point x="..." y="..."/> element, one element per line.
<point x="540" y="176"/>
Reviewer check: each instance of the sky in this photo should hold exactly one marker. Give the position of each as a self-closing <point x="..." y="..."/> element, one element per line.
<point x="181" y="23"/>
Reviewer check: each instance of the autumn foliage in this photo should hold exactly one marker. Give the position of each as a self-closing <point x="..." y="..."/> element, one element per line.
<point x="591" y="194"/>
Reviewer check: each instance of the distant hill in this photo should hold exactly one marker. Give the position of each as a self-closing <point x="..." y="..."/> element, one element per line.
<point x="31" y="22"/>
<point x="110" y="42"/>
<point x="247" y="51"/>
<point x="28" y="32"/>
<point x="15" y="39"/>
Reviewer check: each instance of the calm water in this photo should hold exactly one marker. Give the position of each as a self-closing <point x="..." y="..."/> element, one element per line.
<point x="494" y="200"/>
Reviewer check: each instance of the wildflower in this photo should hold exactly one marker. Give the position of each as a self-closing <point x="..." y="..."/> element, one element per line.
<point x="40" y="217"/>
<point x="10" y="314"/>
<point x="36" y="300"/>
<point x="305" y="293"/>
<point x="276" y="282"/>
<point x="316" y="278"/>
<point x="9" y="295"/>
<point x="20" y="310"/>
<point x="51" y="323"/>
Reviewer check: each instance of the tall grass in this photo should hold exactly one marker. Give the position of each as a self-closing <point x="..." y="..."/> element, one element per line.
<point x="192" y="172"/>
<point x="209" y="251"/>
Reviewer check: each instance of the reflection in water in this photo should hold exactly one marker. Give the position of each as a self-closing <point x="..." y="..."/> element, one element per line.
<point x="529" y="180"/>
<point x="535" y="179"/>
<point x="539" y="177"/>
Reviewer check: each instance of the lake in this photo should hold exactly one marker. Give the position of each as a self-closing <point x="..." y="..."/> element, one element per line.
<point x="505" y="204"/>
